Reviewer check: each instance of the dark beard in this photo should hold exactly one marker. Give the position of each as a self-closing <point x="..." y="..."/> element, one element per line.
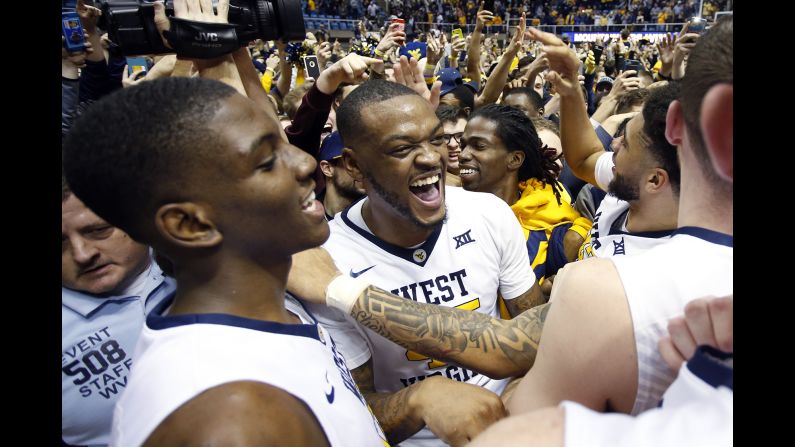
<point x="404" y="211"/>
<point x="623" y="189"/>
<point x="349" y="192"/>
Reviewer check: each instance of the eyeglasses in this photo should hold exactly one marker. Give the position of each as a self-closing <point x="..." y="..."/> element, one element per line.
<point x="456" y="136"/>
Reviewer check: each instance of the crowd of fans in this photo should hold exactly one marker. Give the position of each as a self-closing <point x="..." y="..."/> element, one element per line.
<point x="540" y="12"/>
<point x="463" y="188"/>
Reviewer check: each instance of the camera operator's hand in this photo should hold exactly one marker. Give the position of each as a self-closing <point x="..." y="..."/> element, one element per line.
<point x="351" y="69"/>
<point x="195" y="10"/>
<point x="409" y="73"/>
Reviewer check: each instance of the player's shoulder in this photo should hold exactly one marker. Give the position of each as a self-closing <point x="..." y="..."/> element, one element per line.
<point x="462" y="202"/>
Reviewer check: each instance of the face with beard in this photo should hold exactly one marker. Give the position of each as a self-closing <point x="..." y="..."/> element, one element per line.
<point x="345" y="185"/>
<point x="401" y="157"/>
<point x="630" y="159"/>
<point x="393" y="200"/>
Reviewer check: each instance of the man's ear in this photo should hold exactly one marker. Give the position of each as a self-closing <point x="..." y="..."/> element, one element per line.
<point x="326" y="168"/>
<point x="717" y="128"/>
<point x="187" y="225"/>
<point x="674" y="123"/>
<point x="515" y="160"/>
<point x="351" y="164"/>
<point x="656" y="180"/>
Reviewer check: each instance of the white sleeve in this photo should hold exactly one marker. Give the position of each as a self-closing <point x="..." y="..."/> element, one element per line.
<point x="349" y="337"/>
<point x="603" y="171"/>
<point x="702" y="422"/>
<point x="516" y="276"/>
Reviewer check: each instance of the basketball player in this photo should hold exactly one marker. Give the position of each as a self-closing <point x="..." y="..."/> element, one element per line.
<point x="427" y="243"/>
<point x="641" y="176"/>
<point x="202" y="174"/>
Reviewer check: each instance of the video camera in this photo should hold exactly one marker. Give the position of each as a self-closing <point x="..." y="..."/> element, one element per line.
<point x="130" y="24"/>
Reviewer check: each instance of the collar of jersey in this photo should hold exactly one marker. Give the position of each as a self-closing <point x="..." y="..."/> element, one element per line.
<point x="394" y="250"/>
<point x="87" y="304"/>
<point x="156" y="320"/>
<point x="707" y="235"/>
<point x="615" y="228"/>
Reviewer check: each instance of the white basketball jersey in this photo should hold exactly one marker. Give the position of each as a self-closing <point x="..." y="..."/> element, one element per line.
<point x="478" y="251"/>
<point x="179" y="357"/>
<point x="608" y="235"/>
<point x="658" y="283"/>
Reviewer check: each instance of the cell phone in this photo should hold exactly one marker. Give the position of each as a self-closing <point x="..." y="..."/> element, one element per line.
<point x="458" y="32"/>
<point x="597" y="52"/>
<point x="136" y="64"/>
<point x="633" y="64"/>
<point x="74" y="39"/>
<point x="696" y="25"/>
<point x="312" y="67"/>
<point x="401" y="27"/>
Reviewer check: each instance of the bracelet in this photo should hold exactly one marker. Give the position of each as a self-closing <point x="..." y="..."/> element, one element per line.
<point x="270" y="70"/>
<point x="664" y="78"/>
<point x="429" y="67"/>
<point x="343" y="292"/>
<point x="379" y="53"/>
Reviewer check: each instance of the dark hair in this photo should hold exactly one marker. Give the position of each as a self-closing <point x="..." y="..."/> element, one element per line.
<point x="544" y="124"/>
<point x="711" y="62"/>
<point x="448" y="113"/>
<point x="517" y="133"/>
<point x="626" y="101"/>
<point x="654" y="113"/>
<point x="465" y="96"/>
<point x="624" y="33"/>
<point x="532" y="95"/>
<point x="349" y="113"/>
<point x="124" y="171"/>
<point x="65" y="191"/>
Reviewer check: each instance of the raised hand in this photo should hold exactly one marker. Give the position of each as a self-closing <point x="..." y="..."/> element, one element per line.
<point x="89" y="16"/>
<point x="323" y="54"/>
<point x="393" y="38"/>
<point x="408" y="73"/>
<point x="483" y="17"/>
<point x="351" y="69"/>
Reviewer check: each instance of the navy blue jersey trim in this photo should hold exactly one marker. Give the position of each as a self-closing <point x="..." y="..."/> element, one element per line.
<point x="394" y="250"/>
<point x="615" y="229"/>
<point x="156" y="321"/>
<point x="707" y="365"/>
<point x="707" y="235"/>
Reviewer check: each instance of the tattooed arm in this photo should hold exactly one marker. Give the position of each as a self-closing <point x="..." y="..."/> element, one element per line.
<point x="396" y="412"/>
<point x="526" y="301"/>
<point x="496" y="348"/>
<point x="454" y="411"/>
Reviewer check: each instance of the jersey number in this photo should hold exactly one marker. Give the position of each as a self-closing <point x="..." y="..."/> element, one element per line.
<point x="415" y="356"/>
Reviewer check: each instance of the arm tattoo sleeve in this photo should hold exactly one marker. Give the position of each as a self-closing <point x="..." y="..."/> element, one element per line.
<point x="497" y="348"/>
<point x="392" y="410"/>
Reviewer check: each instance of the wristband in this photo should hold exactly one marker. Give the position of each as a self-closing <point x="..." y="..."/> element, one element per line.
<point x="379" y="53"/>
<point x="343" y="292"/>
